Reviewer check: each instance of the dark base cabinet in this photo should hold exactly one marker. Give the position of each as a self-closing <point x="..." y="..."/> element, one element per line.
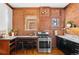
<point x="20" y="44"/>
<point x="68" y="47"/>
<point x="26" y="43"/>
<point x="12" y="46"/>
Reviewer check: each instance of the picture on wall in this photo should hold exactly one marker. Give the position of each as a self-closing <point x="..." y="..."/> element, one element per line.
<point x="55" y="22"/>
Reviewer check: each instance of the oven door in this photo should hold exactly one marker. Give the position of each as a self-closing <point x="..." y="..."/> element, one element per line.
<point x="44" y="46"/>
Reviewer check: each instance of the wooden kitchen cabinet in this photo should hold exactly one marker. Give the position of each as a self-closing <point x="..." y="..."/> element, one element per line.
<point x="7" y="47"/>
<point x="4" y="47"/>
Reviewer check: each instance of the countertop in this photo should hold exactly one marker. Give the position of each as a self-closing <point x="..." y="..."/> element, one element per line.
<point x="73" y="38"/>
<point x="8" y="38"/>
<point x="13" y="37"/>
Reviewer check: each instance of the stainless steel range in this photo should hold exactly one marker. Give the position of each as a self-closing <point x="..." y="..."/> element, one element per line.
<point x="44" y="42"/>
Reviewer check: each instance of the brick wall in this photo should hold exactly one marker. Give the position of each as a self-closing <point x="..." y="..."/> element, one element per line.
<point x="72" y="13"/>
<point x="44" y="22"/>
<point x="19" y="15"/>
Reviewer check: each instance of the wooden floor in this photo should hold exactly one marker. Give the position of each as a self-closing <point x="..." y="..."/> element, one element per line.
<point x="54" y="51"/>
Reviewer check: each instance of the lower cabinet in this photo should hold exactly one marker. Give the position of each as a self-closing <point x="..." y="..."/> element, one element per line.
<point x="4" y="47"/>
<point x="25" y="43"/>
<point x="7" y="46"/>
<point x="68" y="47"/>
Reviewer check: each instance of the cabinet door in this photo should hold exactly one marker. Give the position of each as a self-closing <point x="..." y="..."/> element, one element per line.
<point x="18" y="43"/>
<point x="74" y="48"/>
<point x="4" y="47"/>
<point x="60" y="43"/>
<point x="66" y="45"/>
<point x="57" y="40"/>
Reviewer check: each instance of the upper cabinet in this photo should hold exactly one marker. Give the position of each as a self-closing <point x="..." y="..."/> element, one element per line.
<point x="5" y="18"/>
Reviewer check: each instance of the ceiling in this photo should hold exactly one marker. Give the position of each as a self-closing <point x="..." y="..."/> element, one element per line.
<point x="24" y="5"/>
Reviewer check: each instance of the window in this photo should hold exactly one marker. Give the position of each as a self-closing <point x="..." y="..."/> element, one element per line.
<point x="31" y="23"/>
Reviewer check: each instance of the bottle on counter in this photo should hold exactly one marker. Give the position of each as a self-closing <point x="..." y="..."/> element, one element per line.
<point x="56" y="32"/>
<point x="12" y="34"/>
